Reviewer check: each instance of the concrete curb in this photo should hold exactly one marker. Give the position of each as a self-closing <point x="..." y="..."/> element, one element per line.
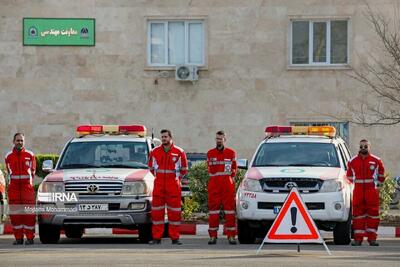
<point x="187" y="229"/>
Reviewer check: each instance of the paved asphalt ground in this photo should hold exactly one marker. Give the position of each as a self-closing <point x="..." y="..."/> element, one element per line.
<point x="126" y="251"/>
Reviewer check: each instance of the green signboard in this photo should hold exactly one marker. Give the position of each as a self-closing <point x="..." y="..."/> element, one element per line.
<point x="59" y="31"/>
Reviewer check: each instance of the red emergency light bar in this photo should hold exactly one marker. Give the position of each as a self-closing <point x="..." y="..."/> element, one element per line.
<point x="327" y="130"/>
<point x="134" y="129"/>
<point x="278" y="129"/>
<point x="89" y="129"/>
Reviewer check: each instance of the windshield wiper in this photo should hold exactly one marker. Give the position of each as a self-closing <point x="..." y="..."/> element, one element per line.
<point x="269" y="165"/>
<point x="78" y="165"/>
<point x="308" y="164"/>
<point x="135" y="165"/>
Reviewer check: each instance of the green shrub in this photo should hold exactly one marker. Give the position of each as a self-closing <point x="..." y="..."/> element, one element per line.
<point x="198" y="180"/>
<point x="189" y="206"/>
<point x="3" y="169"/>
<point x="39" y="161"/>
<point x="385" y="194"/>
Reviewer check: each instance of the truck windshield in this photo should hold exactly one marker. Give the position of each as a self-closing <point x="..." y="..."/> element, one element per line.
<point x="105" y="154"/>
<point x="297" y="154"/>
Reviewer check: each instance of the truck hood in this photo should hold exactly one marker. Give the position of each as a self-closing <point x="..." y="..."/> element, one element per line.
<point x="323" y="173"/>
<point x="109" y="174"/>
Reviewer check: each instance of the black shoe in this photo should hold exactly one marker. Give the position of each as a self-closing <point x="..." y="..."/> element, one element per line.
<point x="155" y="242"/>
<point x="356" y="243"/>
<point x="176" y="242"/>
<point x="232" y="240"/>
<point x="373" y="243"/>
<point x="212" y="241"/>
<point x="29" y="242"/>
<point x="18" y="242"/>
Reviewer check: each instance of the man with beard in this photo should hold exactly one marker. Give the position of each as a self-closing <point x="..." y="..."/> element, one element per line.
<point x="222" y="169"/>
<point x="367" y="173"/>
<point x="168" y="164"/>
<point x="21" y="167"/>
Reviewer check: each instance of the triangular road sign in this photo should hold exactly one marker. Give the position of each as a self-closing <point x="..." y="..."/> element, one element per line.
<point x="293" y="224"/>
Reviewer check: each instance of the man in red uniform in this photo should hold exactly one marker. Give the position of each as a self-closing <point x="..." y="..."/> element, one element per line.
<point x="168" y="164"/>
<point x="366" y="171"/>
<point x="21" y="166"/>
<point x="222" y="169"/>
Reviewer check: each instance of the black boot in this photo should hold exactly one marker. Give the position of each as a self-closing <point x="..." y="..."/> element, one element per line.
<point x="176" y="242"/>
<point x="29" y="242"/>
<point x="373" y="243"/>
<point x="232" y="240"/>
<point x="356" y="243"/>
<point x="18" y="241"/>
<point x="212" y="241"/>
<point x="155" y="242"/>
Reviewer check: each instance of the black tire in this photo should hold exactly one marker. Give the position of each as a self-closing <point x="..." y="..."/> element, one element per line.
<point x="145" y="234"/>
<point x="342" y="232"/>
<point x="49" y="234"/>
<point x="73" y="232"/>
<point x="246" y="234"/>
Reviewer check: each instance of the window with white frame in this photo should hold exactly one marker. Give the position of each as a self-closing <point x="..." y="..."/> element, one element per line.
<point x="175" y="42"/>
<point x="319" y="42"/>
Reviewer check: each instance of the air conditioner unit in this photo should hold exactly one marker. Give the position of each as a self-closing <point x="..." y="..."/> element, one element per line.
<point x="186" y="73"/>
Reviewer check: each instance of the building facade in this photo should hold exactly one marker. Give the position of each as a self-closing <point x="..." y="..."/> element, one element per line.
<point x="260" y="62"/>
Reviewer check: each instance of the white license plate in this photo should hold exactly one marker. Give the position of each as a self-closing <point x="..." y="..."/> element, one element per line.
<point x="92" y="207"/>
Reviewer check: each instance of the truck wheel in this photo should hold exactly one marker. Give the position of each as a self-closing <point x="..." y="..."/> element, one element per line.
<point x="246" y="234"/>
<point x="73" y="232"/>
<point x="49" y="234"/>
<point x="342" y="232"/>
<point x="145" y="234"/>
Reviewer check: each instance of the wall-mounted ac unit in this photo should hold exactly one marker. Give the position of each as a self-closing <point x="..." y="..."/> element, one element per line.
<point x="186" y="73"/>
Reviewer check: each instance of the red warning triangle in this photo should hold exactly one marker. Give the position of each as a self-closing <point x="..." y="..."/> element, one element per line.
<point x="293" y="223"/>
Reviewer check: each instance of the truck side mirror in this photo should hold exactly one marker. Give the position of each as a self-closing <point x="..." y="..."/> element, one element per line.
<point x="243" y="164"/>
<point x="47" y="165"/>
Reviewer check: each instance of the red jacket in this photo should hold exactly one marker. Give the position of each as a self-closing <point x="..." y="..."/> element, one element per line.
<point x="172" y="162"/>
<point x="366" y="170"/>
<point x="21" y="165"/>
<point x="222" y="162"/>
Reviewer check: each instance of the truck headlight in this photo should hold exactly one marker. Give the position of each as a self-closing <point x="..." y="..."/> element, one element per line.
<point x="51" y="187"/>
<point x="252" y="185"/>
<point x="333" y="185"/>
<point x="134" y="188"/>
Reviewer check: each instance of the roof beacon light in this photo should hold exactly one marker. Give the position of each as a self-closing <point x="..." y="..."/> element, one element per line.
<point x="274" y="130"/>
<point x="135" y="129"/>
<point x="329" y="131"/>
<point x="277" y="130"/>
<point x="89" y="129"/>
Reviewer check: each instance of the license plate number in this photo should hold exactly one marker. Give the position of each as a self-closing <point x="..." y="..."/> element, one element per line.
<point x="92" y="207"/>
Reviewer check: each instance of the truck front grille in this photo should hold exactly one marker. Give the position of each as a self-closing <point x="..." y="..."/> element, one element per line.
<point x="284" y="185"/>
<point x="94" y="188"/>
<point x="271" y="205"/>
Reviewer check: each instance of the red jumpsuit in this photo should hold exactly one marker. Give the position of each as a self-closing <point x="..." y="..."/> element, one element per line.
<point x="21" y="166"/>
<point x="364" y="172"/>
<point x="168" y="169"/>
<point x="222" y="168"/>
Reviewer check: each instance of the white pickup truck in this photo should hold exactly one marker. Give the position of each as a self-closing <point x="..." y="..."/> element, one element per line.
<point x="314" y="160"/>
<point x="105" y="169"/>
